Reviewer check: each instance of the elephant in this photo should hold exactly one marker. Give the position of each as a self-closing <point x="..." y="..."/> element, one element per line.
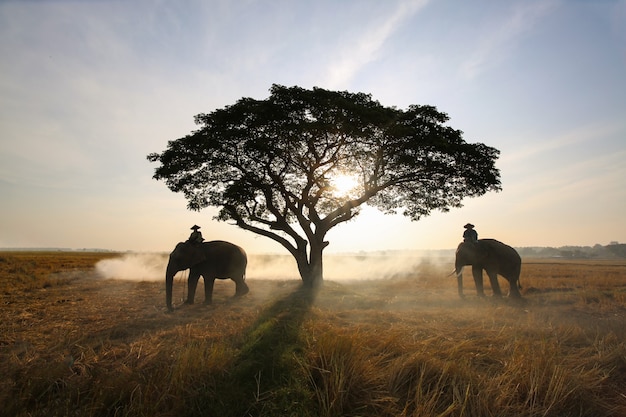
<point x="494" y="257"/>
<point x="215" y="259"/>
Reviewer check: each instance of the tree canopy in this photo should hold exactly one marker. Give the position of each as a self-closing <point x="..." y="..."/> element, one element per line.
<point x="272" y="166"/>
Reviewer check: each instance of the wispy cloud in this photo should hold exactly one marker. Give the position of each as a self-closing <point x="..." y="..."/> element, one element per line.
<point x="585" y="186"/>
<point x="499" y="40"/>
<point x="578" y="168"/>
<point x="593" y="132"/>
<point x="366" y="48"/>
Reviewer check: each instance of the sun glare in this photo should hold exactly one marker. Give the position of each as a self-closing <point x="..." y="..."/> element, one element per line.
<point x="343" y="184"/>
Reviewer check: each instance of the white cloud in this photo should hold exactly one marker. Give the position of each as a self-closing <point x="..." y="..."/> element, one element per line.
<point x="500" y="40"/>
<point x="361" y="51"/>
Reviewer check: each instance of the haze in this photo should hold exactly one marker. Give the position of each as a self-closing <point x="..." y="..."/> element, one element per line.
<point x="338" y="267"/>
<point x="88" y="89"/>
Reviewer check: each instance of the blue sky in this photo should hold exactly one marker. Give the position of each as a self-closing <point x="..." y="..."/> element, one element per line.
<point x="88" y="88"/>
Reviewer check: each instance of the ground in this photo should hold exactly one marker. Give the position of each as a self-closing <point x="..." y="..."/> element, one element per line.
<point x="406" y="345"/>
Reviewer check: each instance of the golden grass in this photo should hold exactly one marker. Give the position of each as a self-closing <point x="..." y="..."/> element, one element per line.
<point x="31" y="270"/>
<point x="75" y="344"/>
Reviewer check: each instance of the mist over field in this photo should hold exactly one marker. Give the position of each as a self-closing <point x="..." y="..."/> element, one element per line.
<point x="348" y="266"/>
<point x="151" y="266"/>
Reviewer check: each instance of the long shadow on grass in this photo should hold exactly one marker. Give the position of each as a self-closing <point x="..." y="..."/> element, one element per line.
<point x="264" y="379"/>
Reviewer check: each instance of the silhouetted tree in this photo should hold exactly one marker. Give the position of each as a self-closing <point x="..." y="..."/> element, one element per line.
<point x="269" y="165"/>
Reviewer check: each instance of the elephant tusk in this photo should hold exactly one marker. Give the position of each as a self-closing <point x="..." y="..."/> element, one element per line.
<point x="451" y="273"/>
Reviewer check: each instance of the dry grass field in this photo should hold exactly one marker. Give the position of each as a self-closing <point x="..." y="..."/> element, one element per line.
<point x="75" y="344"/>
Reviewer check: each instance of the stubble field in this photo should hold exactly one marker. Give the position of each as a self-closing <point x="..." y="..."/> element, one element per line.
<point x="74" y="343"/>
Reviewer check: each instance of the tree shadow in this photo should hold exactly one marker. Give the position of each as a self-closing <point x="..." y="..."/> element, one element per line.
<point x="262" y="380"/>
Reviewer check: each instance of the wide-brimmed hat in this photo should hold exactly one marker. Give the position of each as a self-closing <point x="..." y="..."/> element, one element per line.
<point x="195" y="227"/>
<point x="469" y="226"/>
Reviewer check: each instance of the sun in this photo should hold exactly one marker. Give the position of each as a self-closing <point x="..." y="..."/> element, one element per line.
<point x="344" y="184"/>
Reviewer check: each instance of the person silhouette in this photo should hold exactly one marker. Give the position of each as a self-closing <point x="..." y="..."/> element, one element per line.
<point x="196" y="235"/>
<point x="470" y="235"/>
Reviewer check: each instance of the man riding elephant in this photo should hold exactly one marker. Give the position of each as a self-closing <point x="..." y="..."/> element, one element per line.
<point x="470" y="235"/>
<point x="196" y="235"/>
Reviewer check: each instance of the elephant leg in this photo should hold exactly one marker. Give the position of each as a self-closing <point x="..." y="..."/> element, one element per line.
<point x="208" y="289"/>
<point x="495" y="286"/>
<point x="241" y="287"/>
<point x="192" y="284"/>
<point x="514" y="291"/>
<point x="477" y="273"/>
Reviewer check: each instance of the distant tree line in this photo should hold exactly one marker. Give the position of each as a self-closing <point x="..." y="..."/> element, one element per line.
<point x="613" y="251"/>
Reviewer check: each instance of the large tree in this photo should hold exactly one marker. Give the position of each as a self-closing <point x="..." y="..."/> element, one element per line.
<point x="272" y="165"/>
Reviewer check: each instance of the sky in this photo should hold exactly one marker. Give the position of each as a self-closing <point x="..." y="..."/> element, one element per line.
<point x="89" y="88"/>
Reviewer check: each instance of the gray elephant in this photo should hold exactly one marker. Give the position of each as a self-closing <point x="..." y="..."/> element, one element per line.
<point x="215" y="259"/>
<point x="494" y="257"/>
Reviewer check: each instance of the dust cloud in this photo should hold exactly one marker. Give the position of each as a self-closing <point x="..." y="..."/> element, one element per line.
<point x="134" y="266"/>
<point x="373" y="267"/>
<point x="338" y="267"/>
<point x="151" y="266"/>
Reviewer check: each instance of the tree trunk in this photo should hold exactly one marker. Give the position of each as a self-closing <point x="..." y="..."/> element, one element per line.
<point x="311" y="267"/>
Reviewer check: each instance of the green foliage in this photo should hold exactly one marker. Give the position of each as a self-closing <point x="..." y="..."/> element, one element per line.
<point x="270" y="164"/>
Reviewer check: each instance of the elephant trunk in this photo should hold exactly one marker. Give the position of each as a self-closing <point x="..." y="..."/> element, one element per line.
<point x="169" y="282"/>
